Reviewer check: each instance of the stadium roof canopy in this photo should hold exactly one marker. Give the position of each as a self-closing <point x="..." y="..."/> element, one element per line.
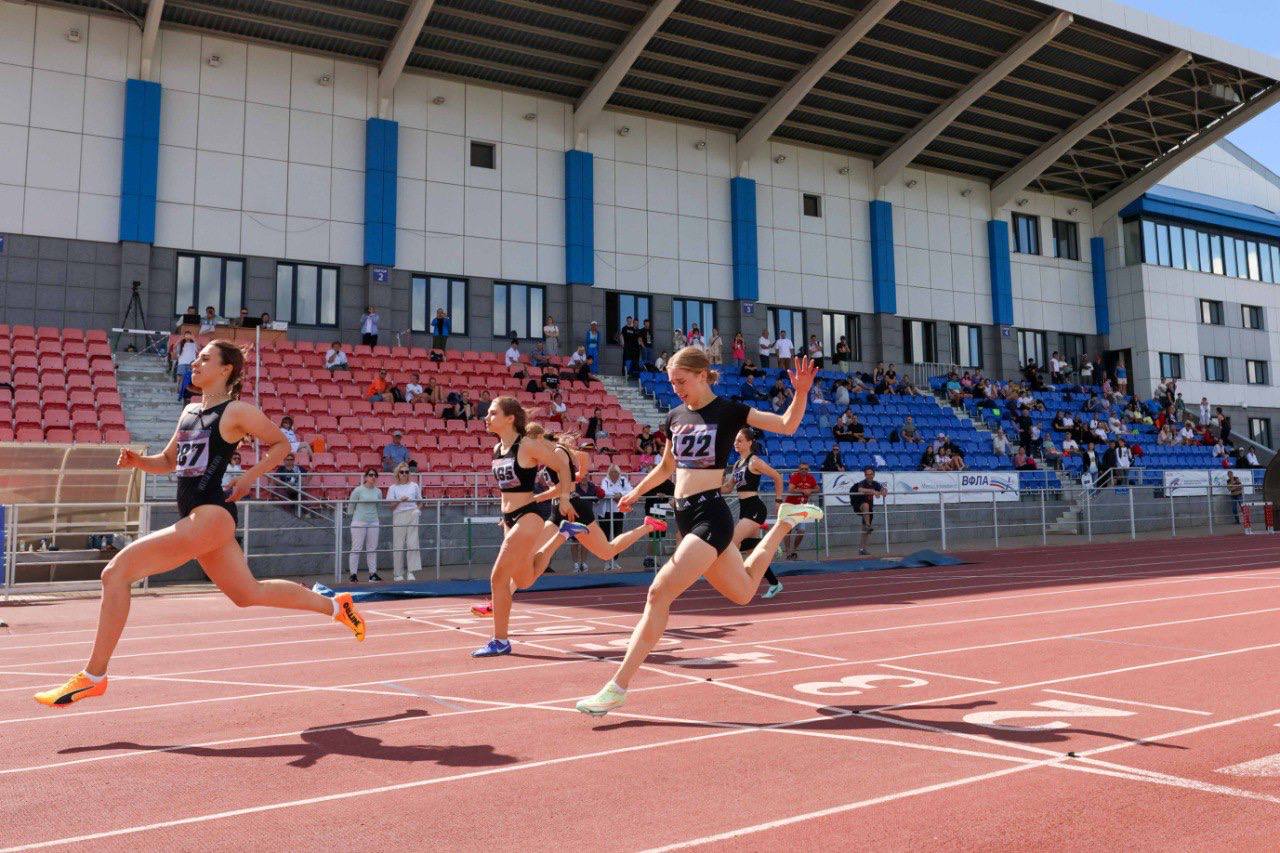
<point x="1085" y="98"/>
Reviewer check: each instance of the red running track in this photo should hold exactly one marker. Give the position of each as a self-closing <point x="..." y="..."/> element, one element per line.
<point x="1119" y="696"/>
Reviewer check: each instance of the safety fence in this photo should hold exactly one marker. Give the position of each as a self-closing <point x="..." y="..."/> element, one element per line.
<point x="459" y="538"/>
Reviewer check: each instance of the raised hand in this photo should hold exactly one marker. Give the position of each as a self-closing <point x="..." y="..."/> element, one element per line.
<point x="802" y="375"/>
<point x="128" y="458"/>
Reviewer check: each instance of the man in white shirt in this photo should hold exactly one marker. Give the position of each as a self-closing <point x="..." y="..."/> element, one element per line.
<point x="413" y="389"/>
<point x="512" y="359"/>
<point x="1187" y="435"/>
<point x="766" y="349"/>
<point x="1206" y="414"/>
<point x="1124" y="460"/>
<point x="784" y="348"/>
<point x="1056" y="366"/>
<point x="369" y="327"/>
<point x="210" y="321"/>
<point x="335" y="358"/>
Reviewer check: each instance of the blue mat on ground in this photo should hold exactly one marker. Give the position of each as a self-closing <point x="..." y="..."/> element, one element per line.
<point x="549" y="583"/>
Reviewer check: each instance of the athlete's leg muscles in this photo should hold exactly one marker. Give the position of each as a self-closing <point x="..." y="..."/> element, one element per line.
<point x="606" y="549"/>
<point x="517" y="549"/>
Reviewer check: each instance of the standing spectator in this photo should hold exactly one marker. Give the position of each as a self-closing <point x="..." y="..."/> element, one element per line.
<point x="646" y="344"/>
<point x="395" y="454"/>
<point x="1124" y="461"/>
<point x="1056" y="367"/>
<point x="441" y="328"/>
<point x="1224" y="425"/>
<point x="815" y="351"/>
<point x="614" y="485"/>
<point x="629" y="336"/>
<point x="800" y="487"/>
<point x="1122" y="377"/>
<point x="678" y="340"/>
<point x="363" y="504"/>
<point x="210" y="321"/>
<point x="715" y="347"/>
<point x="843" y="354"/>
<point x="187" y="352"/>
<point x="404" y="526"/>
<point x="379" y="388"/>
<point x="591" y="343"/>
<point x="862" y="497"/>
<point x="1206" y="413"/>
<point x="1086" y="370"/>
<point x="335" y="358"/>
<point x="1235" y="488"/>
<point x="369" y="327"/>
<point x="739" y="350"/>
<point x="784" y="348"/>
<point x="551" y="335"/>
<point x="766" y="347"/>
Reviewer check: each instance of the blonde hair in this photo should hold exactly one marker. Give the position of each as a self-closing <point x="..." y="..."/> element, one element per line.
<point x="694" y="359"/>
<point x="534" y="430"/>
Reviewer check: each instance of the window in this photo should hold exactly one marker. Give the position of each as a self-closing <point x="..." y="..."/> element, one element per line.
<point x="307" y="295"/>
<point x="1066" y="240"/>
<point x="1255" y="372"/>
<point x="837" y="326"/>
<point x="1192" y="248"/>
<point x="966" y="345"/>
<point x="1073" y="349"/>
<point x="1148" y="242"/>
<point x="1162" y="244"/>
<point x="1229" y="254"/>
<point x="1211" y="312"/>
<point x="919" y="341"/>
<point x="1132" y="242"/>
<point x="1206" y="253"/>
<point x="430" y="293"/>
<point x="1031" y="344"/>
<point x="1026" y="234"/>
<point x="484" y="155"/>
<point x="1218" y="266"/>
<point x="1175" y="248"/>
<point x="619" y="306"/>
<point x="204" y="280"/>
<point x="1170" y="365"/>
<point x="1215" y="368"/>
<point x="1260" y="431"/>
<point x="686" y="313"/>
<point x="791" y="321"/>
<point x="812" y="205"/>
<point x="1251" y="315"/>
<point x="1242" y="259"/>
<point x="517" y="310"/>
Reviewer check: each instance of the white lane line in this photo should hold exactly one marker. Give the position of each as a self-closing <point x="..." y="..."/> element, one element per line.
<point x="774" y="648"/>
<point x="1180" y="732"/>
<point x="1106" y="768"/>
<point x="453" y="706"/>
<point x="1130" y="702"/>
<point x="1267" y="766"/>
<point x="939" y="674"/>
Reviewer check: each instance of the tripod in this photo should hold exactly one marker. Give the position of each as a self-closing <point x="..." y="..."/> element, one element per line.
<point x="136" y="315"/>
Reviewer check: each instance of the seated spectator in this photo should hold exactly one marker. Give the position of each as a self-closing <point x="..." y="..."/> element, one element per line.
<point x="512" y="360"/>
<point x="335" y="358"/>
<point x="750" y="392"/>
<point x="296" y="443"/>
<point x="593" y="427"/>
<point x="858" y="431"/>
<point x="394" y="453"/>
<point x="413" y="388"/>
<point x="539" y="357"/>
<point x="928" y="459"/>
<point x="1051" y="454"/>
<point x="1116" y="426"/>
<point x="660" y="363"/>
<point x="1099" y="430"/>
<point x="647" y="442"/>
<point x="379" y="389"/>
<point x="1023" y="462"/>
<point x="841" y="394"/>
<point x="1063" y="422"/>
<point x="779" y="402"/>
<point x="187" y="317"/>
<point x="233" y="472"/>
<point x="264" y="320"/>
<point x="833" y="461"/>
<point x="999" y="443"/>
<point x="908" y="431"/>
<point x="1219" y="450"/>
<point x="579" y="366"/>
<point x="288" y="479"/>
<point x="1069" y="446"/>
<point x="240" y="320"/>
<point x="1166" y="437"/>
<point x="816" y="394"/>
<point x="748" y="368"/>
<point x="210" y="321"/>
<point x="1246" y="458"/>
<point x="458" y="407"/>
<point x="1187" y="434"/>
<point x="558" y="409"/>
<point x="841" y="430"/>
<point x="1095" y="404"/>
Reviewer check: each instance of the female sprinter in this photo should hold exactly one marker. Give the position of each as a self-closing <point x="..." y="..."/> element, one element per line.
<point x="582" y="524"/>
<point x="702" y="430"/>
<point x="520" y="451"/>
<point x="745" y="477"/>
<point x="207" y="435"/>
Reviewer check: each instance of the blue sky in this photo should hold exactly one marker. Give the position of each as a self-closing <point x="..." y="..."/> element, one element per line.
<point x="1245" y="22"/>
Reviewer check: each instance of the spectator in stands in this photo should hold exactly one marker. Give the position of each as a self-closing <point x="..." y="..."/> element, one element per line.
<point x="591" y="346"/>
<point x="592" y="428"/>
<point x="511" y="359"/>
<point x="1069" y="446"/>
<point x="660" y="363"/>
<point x="579" y="367"/>
<point x="1023" y="462"/>
<point x="629" y="339"/>
<point x="785" y="348"/>
<point x="646" y="344"/>
<point x="842" y="354"/>
<point x="363" y="504"/>
<point x="406" y="554"/>
<point x="335" y="358"/>
<point x="833" y="461"/>
<point x="264" y="320"/>
<point x="1062" y="421"/>
<point x="234" y="470"/>
<point x="1206" y="413"/>
<point x="210" y="321"/>
<point x="413" y="388"/>
<point x="187" y="317"/>
<point x="646" y="443"/>
<point x="1124" y="461"/>
<point x="800" y="487"/>
<point x="908" y="432"/>
<point x="614" y="485"/>
<point x="441" y="328"/>
<point x="857" y="430"/>
<point x="1235" y="489"/>
<point x="840" y="395"/>
<point x="458" y="407"/>
<point x="1224" y="425"/>
<point x="1098" y="429"/>
<point x="538" y="356"/>
<point x="297" y="443"/>
<point x="551" y="334"/>
<point x="841" y="429"/>
<point x="697" y="338"/>
<point x="1090" y="461"/>
<point x="243" y="318"/>
<point x="739" y="350"/>
<point x="862" y="499"/>
<point x="1219" y="450"/>
<point x="749" y="368"/>
<point x="1247" y="458"/>
<point x="1050" y="453"/>
<point x="999" y="443"/>
<point x="1166" y="436"/>
<point x="369" y="327"/>
<point x="928" y="459"/>
<point x="187" y="352"/>
<point x="379" y="388"/>
<point x="395" y="453"/>
<point x="749" y="392"/>
<point x="288" y="478"/>
<point x="1187" y="435"/>
<point x="1057" y="367"/>
<point x="814" y="350"/>
<point x="1095" y="404"/>
<point x="817" y="395"/>
<point x="765" y="346"/>
<point x="715" y="347"/>
<point x="1086" y="370"/>
<point x="779" y="402"/>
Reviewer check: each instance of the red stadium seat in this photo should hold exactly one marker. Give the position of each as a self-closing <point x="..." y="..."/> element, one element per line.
<point x="88" y="435"/>
<point x="58" y="435"/>
<point x="116" y="436"/>
<point x="28" y="432"/>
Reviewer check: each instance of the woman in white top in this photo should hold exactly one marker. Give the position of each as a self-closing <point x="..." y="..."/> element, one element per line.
<point x="335" y="358"/>
<point x="551" y="336"/>
<point x="234" y="471"/>
<point x="715" y="347"/>
<point x="187" y="352"/>
<point x="404" y="525"/>
<point x="363" y="505"/>
<point x="413" y="389"/>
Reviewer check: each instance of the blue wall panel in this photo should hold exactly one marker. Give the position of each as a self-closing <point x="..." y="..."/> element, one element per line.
<point x="381" y="163"/>
<point x="746" y="258"/>
<point x="140" y="156"/>
<point x="579" y="218"/>
<point x="1001" y="272"/>
<point x="1101" y="313"/>
<point x="884" y="287"/>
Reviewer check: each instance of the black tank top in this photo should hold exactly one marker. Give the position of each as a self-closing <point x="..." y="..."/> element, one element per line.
<point x="511" y="476"/>
<point x="573" y="469"/>
<point x="743" y="478"/>
<point x="203" y="456"/>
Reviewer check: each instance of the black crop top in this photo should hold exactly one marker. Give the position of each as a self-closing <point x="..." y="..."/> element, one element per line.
<point x="704" y="439"/>
<point x="743" y="477"/>
<point x="511" y="476"/>
<point x="573" y="469"/>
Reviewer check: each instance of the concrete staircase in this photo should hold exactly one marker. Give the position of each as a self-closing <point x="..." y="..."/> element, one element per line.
<point x="642" y="408"/>
<point x="1074" y="494"/>
<point x="151" y="408"/>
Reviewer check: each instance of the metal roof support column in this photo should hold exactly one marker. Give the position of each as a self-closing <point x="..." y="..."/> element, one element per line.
<point x="150" y="29"/>
<point x="398" y="52"/>
<point x="909" y="147"/>
<point x="774" y="113"/>
<point x="1017" y="178"/>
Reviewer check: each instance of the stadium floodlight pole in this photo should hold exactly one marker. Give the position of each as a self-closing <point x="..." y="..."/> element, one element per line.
<point x="1020" y="176"/>
<point x="150" y="29"/>
<point x="398" y="52"/>
<point x="773" y="114"/>
<point x="1129" y="191"/>
<point x="609" y="77"/>
<point x="897" y="158"/>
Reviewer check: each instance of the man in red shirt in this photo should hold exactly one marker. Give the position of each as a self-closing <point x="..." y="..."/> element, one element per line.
<point x="800" y="487"/>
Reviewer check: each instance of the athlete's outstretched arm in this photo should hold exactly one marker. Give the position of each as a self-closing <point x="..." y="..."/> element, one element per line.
<point x="164" y="462"/>
<point x="789" y="421"/>
<point x="759" y="466"/>
<point x="660" y="473"/>
<point x="244" y="420"/>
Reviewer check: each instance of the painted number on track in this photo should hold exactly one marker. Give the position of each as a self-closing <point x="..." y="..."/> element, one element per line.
<point x="1056" y="708"/>
<point x="852" y="685"/>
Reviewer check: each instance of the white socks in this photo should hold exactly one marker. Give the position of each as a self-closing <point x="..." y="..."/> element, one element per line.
<point x="335" y="607"/>
<point x="96" y="679"/>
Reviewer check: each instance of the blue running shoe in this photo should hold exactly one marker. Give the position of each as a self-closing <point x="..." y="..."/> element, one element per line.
<point x="570" y="529"/>
<point x="773" y="590"/>
<point x="492" y="649"/>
